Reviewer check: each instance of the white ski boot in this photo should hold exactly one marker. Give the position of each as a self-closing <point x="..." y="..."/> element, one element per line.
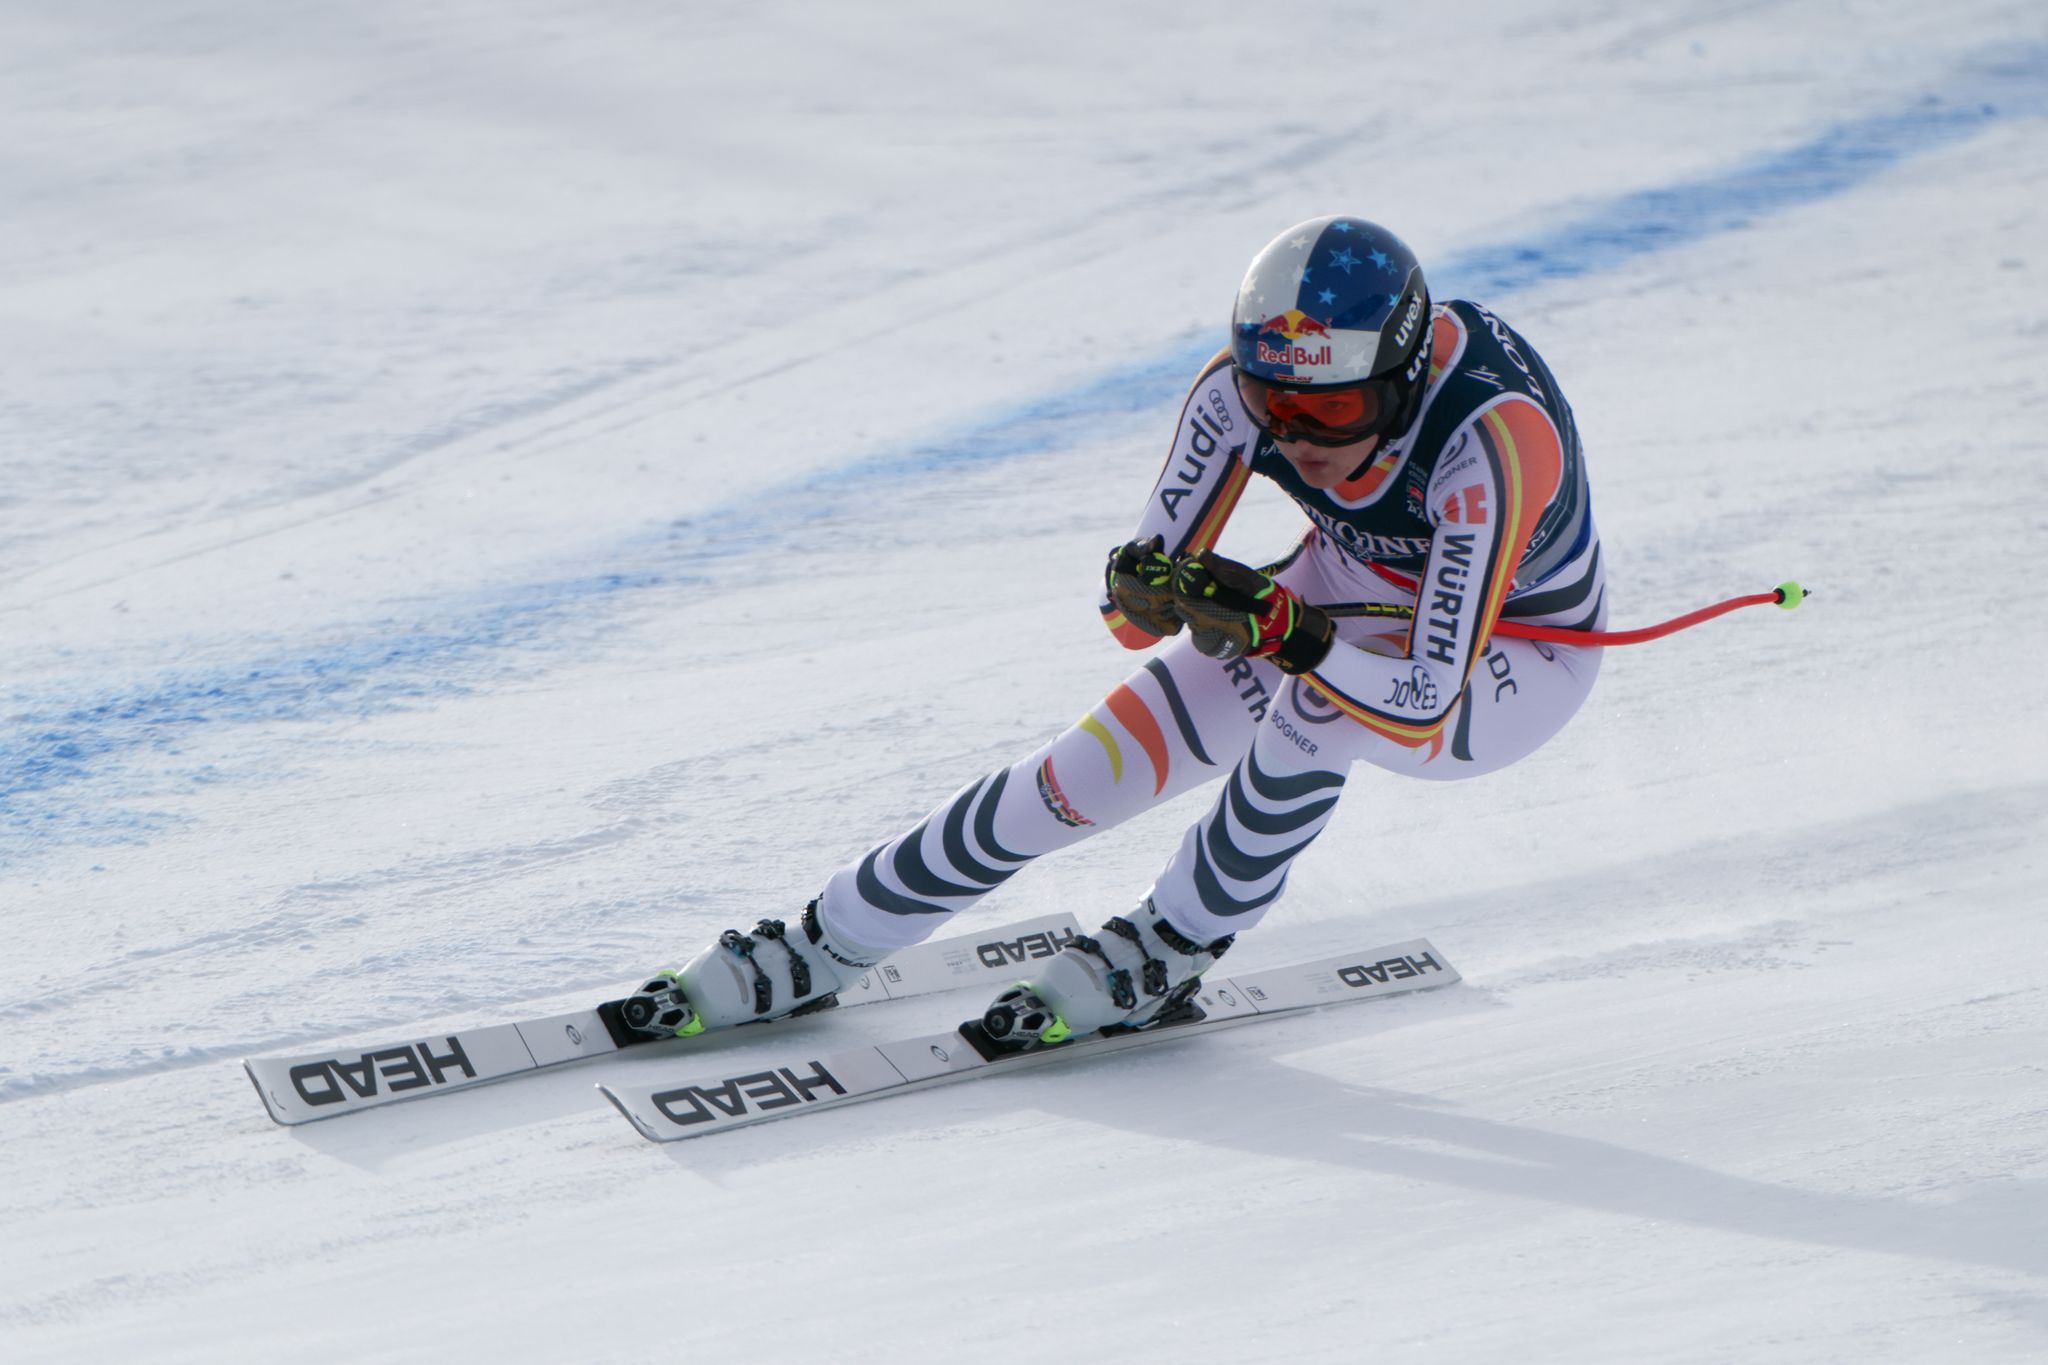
<point x="1136" y="973"/>
<point x="770" y="973"/>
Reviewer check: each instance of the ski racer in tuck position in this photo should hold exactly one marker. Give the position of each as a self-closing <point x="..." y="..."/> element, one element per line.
<point x="1439" y="466"/>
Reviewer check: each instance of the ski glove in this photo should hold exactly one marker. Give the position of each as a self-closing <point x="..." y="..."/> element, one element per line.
<point x="1140" y="581"/>
<point x="1237" y="611"/>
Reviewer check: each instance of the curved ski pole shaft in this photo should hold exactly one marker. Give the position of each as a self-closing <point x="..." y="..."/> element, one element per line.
<point x="1787" y="595"/>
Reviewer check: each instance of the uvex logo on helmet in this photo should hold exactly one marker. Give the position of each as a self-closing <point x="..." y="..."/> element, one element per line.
<point x="1406" y="331"/>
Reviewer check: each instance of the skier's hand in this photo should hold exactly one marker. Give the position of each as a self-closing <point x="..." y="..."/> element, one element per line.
<point x="1237" y="611"/>
<point x="1140" y="581"/>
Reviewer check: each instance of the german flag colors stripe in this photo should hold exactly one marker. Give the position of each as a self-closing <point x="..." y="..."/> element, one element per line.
<point x="1127" y="634"/>
<point x="1221" y="504"/>
<point x="1529" y="464"/>
<point x="1092" y="726"/>
<point x="1526" y="466"/>
<point x="1133" y="715"/>
<point x="1137" y="720"/>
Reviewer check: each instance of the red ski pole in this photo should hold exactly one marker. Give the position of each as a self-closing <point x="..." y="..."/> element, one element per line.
<point x="1787" y="595"/>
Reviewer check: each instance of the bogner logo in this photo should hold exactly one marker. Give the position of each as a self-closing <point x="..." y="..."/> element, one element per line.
<point x="759" y="1092"/>
<point x="400" y="1068"/>
<point x="1388" y="969"/>
<point x="1002" y="952"/>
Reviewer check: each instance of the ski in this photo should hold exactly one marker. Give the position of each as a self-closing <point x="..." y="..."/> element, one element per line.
<point x="327" y="1085"/>
<point x="688" y="1109"/>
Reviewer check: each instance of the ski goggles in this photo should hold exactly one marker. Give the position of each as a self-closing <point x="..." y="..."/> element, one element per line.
<point x="1330" y="415"/>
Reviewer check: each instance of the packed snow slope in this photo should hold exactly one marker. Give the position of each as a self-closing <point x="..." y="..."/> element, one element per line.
<point x="497" y="493"/>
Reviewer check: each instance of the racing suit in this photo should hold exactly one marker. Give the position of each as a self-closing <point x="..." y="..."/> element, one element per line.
<point x="1479" y="512"/>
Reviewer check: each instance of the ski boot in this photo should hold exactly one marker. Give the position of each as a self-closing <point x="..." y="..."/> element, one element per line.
<point x="771" y="973"/>
<point x="1136" y="973"/>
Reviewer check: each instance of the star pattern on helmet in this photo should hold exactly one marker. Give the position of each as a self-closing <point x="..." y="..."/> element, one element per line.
<point x="1328" y="296"/>
<point x="1379" y="258"/>
<point x="1340" y="226"/>
<point x="1343" y="259"/>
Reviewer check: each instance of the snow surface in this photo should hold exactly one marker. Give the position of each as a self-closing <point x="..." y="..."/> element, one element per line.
<point x="496" y="493"/>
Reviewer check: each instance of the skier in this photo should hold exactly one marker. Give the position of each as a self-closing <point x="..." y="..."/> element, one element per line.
<point x="1440" y="469"/>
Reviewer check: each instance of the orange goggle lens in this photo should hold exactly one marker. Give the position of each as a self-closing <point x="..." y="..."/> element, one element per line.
<point x="1327" y="416"/>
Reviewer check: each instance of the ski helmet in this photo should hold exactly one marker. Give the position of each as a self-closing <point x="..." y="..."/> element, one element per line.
<point x="1331" y="333"/>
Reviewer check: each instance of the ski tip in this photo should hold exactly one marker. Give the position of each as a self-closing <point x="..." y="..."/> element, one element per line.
<point x="1451" y="975"/>
<point x="249" y="1070"/>
<point x="619" y="1103"/>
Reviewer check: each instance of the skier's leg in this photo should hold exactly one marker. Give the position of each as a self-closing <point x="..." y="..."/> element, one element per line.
<point x="1175" y="722"/>
<point x="1521" y="694"/>
<point x="1232" y="864"/>
<point x="1178" y="721"/>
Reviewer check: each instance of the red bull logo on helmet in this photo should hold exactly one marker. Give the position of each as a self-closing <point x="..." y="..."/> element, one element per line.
<point x="1294" y="325"/>
<point x="1294" y="355"/>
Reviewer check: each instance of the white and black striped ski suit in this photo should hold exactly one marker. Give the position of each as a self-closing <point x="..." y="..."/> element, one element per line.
<point x="1479" y="513"/>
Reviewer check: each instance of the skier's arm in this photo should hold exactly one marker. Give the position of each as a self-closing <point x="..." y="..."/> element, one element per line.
<point x="1485" y="499"/>
<point x="1204" y="475"/>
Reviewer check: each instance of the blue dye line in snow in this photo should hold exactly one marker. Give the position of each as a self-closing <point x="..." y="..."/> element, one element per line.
<point x="49" y="746"/>
<point x="1838" y="160"/>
